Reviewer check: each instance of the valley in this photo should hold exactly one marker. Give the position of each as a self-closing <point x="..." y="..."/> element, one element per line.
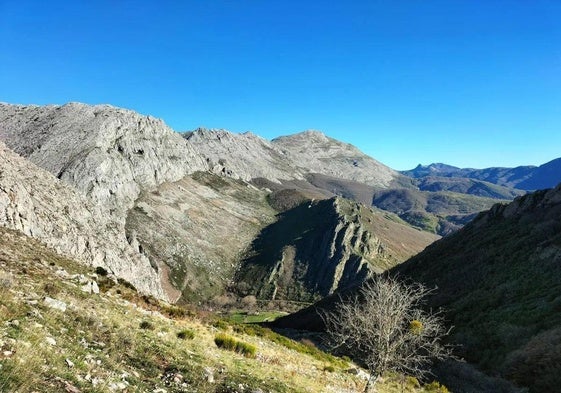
<point x="211" y="220"/>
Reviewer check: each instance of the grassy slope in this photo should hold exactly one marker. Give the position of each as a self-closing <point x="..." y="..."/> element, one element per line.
<point x="500" y="281"/>
<point x="197" y="228"/>
<point x="119" y="340"/>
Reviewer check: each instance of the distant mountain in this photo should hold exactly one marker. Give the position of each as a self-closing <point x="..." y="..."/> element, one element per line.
<point x="287" y="158"/>
<point x="523" y="177"/>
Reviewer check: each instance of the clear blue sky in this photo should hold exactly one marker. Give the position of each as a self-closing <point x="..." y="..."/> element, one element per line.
<point x="469" y="83"/>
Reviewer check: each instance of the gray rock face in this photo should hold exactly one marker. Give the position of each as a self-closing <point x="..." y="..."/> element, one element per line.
<point x="316" y="153"/>
<point x="36" y="203"/>
<point x="248" y="156"/>
<point x="245" y="156"/>
<point x="107" y="153"/>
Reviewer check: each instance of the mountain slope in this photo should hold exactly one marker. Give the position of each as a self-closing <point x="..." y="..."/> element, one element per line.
<point x="322" y="246"/>
<point x="246" y="156"/>
<point x="499" y="283"/>
<point x="499" y="280"/>
<point x="109" y="154"/>
<point x="55" y="337"/>
<point x="36" y="203"/>
<point x="317" y="153"/>
<point x="196" y="229"/>
<point x="441" y="212"/>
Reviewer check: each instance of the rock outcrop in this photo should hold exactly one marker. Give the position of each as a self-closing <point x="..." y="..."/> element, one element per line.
<point x="314" y="152"/>
<point x="36" y="203"/>
<point x="107" y="153"/>
<point x="320" y="247"/>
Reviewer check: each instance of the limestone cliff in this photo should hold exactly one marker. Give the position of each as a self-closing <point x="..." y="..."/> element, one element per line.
<point x="107" y="153"/>
<point x="36" y="203"/>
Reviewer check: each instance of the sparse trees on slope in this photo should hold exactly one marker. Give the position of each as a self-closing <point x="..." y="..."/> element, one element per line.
<point x="386" y="328"/>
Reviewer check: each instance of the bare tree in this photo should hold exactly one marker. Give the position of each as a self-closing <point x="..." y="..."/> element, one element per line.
<point x="387" y="329"/>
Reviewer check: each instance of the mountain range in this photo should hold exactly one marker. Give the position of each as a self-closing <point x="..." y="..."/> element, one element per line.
<point x="194" y="217"/>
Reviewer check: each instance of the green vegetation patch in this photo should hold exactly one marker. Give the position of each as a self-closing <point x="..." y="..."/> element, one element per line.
<point x="225" y="341"/>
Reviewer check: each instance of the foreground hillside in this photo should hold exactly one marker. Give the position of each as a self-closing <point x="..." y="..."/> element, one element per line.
<point x="499" y="279"/>
<point x="59" y="334"/>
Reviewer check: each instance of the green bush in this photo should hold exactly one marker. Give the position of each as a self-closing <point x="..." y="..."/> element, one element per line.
<point x="436" y="387"/>
<point x="147" y="325"/>
<point x="221" y="324"/>
<point x="186" y="334"/>
<point x="100" y="271"/>
<point x="225" y="341"/>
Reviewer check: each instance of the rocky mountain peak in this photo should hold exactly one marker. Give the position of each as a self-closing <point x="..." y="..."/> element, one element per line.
<point x="109" y="154"/>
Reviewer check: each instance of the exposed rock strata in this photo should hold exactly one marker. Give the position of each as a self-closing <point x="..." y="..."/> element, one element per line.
<point x="36" y="203"/>
<point x="320" y="247"/>
<point x="109" y="154"/>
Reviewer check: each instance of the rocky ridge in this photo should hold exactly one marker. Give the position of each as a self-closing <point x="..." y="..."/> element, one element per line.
<point x="293" y="157"/>
<point x="323" y="246"/>
<point x="109" y="154"/>
<point x="316" y="153"/>
<point x="41" y="206"/>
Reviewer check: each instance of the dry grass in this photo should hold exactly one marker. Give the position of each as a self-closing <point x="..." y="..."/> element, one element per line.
<point x="100" y="343"/>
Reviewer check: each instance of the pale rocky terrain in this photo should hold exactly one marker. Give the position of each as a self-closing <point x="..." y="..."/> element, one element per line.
<point x="293" y="157"/>
<point x="314" y="152"/>
<point x="245" y="156"/>
<point x="181" y="234"/>
<point x="107" y="153"/>
<point x="196" y="230"/>
<point x="36" y="203"/>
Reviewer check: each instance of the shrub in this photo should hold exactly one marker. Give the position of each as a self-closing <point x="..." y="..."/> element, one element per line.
<point x="436" y="387"/>
<point x="101" y="271"/>
<point x="225" y="341"/>
<point x="186" y="334"/>
<point x="147" y="325"/>
<point x="221" y="324"/>
<point x="51" y="289"/>
<point x="6" y="281"/>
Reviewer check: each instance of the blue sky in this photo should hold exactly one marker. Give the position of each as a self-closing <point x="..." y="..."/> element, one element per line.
<point x="468" y="83"/>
